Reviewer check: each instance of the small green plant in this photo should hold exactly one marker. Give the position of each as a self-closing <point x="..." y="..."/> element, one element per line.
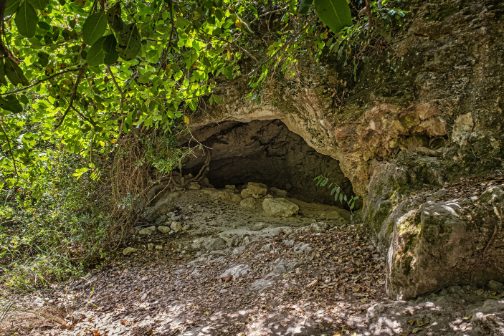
<point x="337" y="192"/>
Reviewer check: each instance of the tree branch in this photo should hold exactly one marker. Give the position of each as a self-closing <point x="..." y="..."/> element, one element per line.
<point x="73" y="96"/>
<point x="24" y="88"/>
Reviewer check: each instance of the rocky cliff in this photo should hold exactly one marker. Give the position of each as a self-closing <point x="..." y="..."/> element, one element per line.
<point x="418" y="135"/>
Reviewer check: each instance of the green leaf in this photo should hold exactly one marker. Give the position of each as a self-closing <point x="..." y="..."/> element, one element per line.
<point x="43" y="58"/>
<point x="44" y="25"/>
<point x="130" y="42"/>
<point x="334" y="13"/>
<point x="11" y="7"/>
<point x="94" y="27"/>
<point x="96" y="54"/>
<point x="39" y="4"/>
<point x="110" y="43"/>
<point x="10" y="103"/>
<point x="109" y="46"/>
<point x="111" y="58"/>
<point x="114" y="17"/>
<point x="26" y="19"/>
<point x="14" y="72"/>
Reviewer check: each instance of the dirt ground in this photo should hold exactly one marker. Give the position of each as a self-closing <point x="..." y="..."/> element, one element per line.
<point x="223" y="269"/>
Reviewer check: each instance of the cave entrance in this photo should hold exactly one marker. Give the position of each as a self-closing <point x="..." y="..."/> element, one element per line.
<point x="268" y="152"/>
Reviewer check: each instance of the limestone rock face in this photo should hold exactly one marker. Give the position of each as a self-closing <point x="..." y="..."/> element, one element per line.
<point x="419" y="134"/>
<point x="279" y="207"/>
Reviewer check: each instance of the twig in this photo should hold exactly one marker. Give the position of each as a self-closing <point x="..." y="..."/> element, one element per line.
<point x="24" y="88"/>
<point x="73" y="96"/>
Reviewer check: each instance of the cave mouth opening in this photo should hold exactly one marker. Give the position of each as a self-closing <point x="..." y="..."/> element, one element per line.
<point x="266" y="151"/>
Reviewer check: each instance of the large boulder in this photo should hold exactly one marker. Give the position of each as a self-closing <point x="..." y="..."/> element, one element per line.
<point x="451" y="237"/>
<point x="279" y="207"/>
<point x="164" y="205"/>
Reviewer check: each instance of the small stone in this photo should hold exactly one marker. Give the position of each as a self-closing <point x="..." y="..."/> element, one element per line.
<point x="495" y="285"/>
<point x="230" y="187"/>
<point x="235" y="272"/>
<point x="319" y="226"/>
<point x="150" y="246"/>
<point x="146" y="231"/>
<point x="302" y="248"/>
<point x="129" y="250"/>
<point x="255" y="190"/>
<point x="279" y="207"/>
<point x="194" y="186"/>
<point x="176" y="227"/>
<point x="164" y="229"/>
<point x="248" y="203"/>
<point x="158" y="247"/>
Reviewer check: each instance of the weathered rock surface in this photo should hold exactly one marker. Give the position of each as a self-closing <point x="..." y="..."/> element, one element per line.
<point x="279" y="207"/>
<point x="446" y="238"/>
<point x="421" y="115"/>
<point x="255" y="190"/>
<point x="249" y="203"/>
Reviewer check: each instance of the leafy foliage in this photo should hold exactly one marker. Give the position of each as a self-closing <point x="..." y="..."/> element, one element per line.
<point x="77" y="77"/>
<point x="339" y="196"/>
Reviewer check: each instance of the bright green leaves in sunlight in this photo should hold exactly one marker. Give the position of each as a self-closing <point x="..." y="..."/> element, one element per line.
<point x="334" y="13"/>
<point x="94" y="27"/>
<point x="26" y="19"/>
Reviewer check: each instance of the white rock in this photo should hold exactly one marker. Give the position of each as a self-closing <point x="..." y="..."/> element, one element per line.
<point x="146" y="231"/>
<point x="235" y="272"/>
<point x="302" y="248"/>
<point x="129" y="250"/>
<point x="279" y="207"/>
<point x="176" y="227"/>
<point x="164" y="229"/>
<point x="255" y="190"/>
